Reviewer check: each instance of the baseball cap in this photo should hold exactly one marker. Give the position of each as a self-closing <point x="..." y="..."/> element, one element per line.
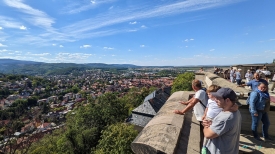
<point x="227" y="93"/>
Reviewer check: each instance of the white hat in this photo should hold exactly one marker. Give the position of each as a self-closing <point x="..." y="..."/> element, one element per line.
<point x="239" y="69"/>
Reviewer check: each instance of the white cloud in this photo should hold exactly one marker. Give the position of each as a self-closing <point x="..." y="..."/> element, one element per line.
<point x="61" y="46"/>
<point x="133" y="23"/>
<point x="110" y="8"/>
<point x="71" y="57"/>
<point x="212" y="50"/>
<point x="129" y="50"/>
<point x="143" y="26"/>
<point x="142" y="46"/>
<point x="143" y="12"/>
<point x="85" y="46"/>
<point x="4" y="50"/>
<point x="2" y="45"/>
<point x="53" y="44"/>
<point x="80" y="6"/>
<point x="8" y="22"/>
<point x="108" y="48"/>
<point x="186" y="46"/>
<point x="132" y="30"/>
<point x="36" y="17"/>
<point x="187" y="40"/>
<point x="113" y="55"/>
<point x="40" y="54"/>
<point x="23" y="27"/>
<point x="1" y="28"/>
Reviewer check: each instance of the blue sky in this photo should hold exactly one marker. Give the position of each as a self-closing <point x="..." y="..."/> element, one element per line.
<point x="140" y="32"/>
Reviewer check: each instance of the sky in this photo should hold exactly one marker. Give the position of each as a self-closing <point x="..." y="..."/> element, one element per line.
<point x="139" y="32"/>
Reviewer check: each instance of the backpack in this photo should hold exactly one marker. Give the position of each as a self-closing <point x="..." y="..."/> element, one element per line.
<point x="248" y="98"/>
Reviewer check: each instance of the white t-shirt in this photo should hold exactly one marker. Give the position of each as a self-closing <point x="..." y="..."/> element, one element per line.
<point x="198" y="108"/>
<point x="213" y="109"/>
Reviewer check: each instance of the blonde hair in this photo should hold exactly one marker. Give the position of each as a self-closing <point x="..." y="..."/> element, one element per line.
<point x="213" y="88"/>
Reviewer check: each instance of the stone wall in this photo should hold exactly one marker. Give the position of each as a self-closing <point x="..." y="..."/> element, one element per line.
<point x="168" y="132"/>
<point x="210" y="78"/>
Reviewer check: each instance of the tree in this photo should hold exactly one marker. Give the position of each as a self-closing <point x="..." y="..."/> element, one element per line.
<point x="45" y="107"/>
<point x="117" y="138"/>
<point x="48" y="144"/>
<point x="32" y="101"/>
<point x="75" y="89"/>
<point x="183" y="82"/>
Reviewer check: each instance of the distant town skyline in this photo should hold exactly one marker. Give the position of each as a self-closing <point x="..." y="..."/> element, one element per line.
<point x="143" y="33"/>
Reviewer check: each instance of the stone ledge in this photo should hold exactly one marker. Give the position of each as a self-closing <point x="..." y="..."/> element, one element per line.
<point x="168" y="132"/>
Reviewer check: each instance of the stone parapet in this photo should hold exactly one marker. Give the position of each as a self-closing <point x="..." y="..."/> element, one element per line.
<point x="168" y="132"/>
<point x="210" y="78"/>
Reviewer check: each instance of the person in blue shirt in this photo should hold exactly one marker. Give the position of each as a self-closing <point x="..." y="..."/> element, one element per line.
<point x="255" y="82"/>
<point x="259" y="105"/>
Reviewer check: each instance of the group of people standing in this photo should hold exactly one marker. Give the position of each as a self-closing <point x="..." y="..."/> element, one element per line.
<point x="235" y="74"/>
<point x="259" y="105"/>
<point x="217" y="111"/>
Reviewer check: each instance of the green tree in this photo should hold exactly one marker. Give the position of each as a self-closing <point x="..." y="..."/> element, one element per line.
<point x="48" y="144"/>
<point x="183" y="82"/>
<point x="117" y="139"/>
<point x="32" y="101"/>
<point x="45" y="108"/>
<point x="75" y="89"/>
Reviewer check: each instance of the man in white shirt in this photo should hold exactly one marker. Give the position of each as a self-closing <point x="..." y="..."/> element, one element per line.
<point x="198" y="102"/>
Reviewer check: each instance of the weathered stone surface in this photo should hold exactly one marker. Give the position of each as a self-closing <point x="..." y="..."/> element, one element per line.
<point x="211" y="78"/>
<point x="162" y="133"/>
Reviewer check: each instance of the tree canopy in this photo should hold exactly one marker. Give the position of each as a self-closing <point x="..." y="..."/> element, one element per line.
<point x="183" y="82"/>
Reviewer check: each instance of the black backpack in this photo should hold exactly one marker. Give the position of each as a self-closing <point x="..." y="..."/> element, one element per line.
<point x="204" y="89"/>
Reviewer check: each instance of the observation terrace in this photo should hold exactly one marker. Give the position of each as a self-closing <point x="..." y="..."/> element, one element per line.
<point x="169" y="133"/>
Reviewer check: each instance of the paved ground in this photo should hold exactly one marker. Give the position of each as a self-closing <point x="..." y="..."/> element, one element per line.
<point x="257" y="146"/>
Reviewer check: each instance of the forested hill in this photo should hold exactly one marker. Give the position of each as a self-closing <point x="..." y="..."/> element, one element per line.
<point x="12" y="66"/>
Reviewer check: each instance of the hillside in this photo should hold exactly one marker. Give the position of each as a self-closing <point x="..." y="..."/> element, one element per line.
<point x="11" y="66"/>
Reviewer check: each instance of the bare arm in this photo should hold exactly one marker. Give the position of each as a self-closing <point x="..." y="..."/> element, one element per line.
<point x="205" y="112"/>
<point x="190" y="105"/>
<point x="185" y="103"/>
<point x="208" y="133"/>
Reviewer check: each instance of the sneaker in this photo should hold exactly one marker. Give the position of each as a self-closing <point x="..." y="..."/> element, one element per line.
<point x="258" y="139"/>
<point x="268" y="139"/>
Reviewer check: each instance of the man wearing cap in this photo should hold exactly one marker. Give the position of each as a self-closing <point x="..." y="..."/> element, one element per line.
<point x="224" y="131"/>
<point x="255" y="82"/>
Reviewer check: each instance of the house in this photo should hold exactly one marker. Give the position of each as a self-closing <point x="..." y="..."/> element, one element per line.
<point x="28" y="128"/>
<point x="149" y="108"/>
<point x="44" y="127"/>
<point x="41" y="101"/>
